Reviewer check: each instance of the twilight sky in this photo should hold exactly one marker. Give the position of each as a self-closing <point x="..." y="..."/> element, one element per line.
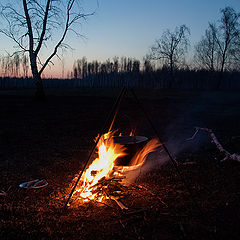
<point x="129" y="27"/>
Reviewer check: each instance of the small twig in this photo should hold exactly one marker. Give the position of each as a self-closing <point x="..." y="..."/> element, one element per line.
<point x="105" y="204"/>
<point x="120" y="204"/>
<point x="191" y="138"/>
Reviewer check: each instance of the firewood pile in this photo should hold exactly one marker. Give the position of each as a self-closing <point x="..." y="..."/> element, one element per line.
<point x="107" y="190"/>
<point x="110" y="191"/>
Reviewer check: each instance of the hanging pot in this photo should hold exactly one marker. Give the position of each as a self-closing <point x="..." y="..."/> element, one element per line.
<point x="132" y="145"/>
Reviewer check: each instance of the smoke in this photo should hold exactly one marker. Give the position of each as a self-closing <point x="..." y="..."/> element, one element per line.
<point x="154" y="160"/>
<point x="158" y="158"/>
<point x="179" y="124"/>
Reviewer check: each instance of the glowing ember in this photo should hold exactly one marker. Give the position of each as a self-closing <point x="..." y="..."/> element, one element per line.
<point x="102" y="168"/>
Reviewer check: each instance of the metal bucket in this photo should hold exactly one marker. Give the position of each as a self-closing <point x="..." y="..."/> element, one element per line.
<point x="132" y="145"/>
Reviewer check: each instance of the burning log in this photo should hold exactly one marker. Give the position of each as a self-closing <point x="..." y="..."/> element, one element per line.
<point x="105" y="188"/>
<point x="228" y="156"/>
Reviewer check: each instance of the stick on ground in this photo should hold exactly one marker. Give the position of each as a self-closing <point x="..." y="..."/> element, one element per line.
<point x="228" y="156"/>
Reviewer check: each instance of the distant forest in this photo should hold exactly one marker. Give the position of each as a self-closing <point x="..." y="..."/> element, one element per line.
<point x="216" y="57"/>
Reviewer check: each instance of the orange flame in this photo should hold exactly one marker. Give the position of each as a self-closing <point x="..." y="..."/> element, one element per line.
<point x="132" y="133"/>
<point x="103" y="165"/>
<point x="140" y="157"/>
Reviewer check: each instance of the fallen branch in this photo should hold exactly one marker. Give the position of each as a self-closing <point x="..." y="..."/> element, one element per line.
<point x="228" y="156"/>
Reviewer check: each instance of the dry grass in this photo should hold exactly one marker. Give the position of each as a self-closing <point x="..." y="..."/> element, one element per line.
<point x="51" y="140"/>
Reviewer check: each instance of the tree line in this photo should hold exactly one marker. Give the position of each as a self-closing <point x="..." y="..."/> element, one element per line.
<point x="217" y="51"/>
<point x="82" y="68"/>
<point x="32" y="28"/>
<point x="15" y="66"/>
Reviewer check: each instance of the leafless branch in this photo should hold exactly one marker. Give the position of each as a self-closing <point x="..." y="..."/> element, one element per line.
<point x="228" y="155"/>
<point x="43" y="28"/>
<point x="68" y="24"/>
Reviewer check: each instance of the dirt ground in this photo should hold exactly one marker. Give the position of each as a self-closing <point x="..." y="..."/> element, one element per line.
<point x="51" y="140"/>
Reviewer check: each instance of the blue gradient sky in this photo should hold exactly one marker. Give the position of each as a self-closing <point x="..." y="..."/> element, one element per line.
<point x="129" y="27"/>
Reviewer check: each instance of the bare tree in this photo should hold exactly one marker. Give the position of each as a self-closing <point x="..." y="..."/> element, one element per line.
<point x="206" y="50"/>
<point x="33" y="24"/>
<point x="236" y="55"/>
<point x="16" y="61"/>
<point x="84" y="67"/>
<point x="147" y="65"/>
<point x="79" y="69"/>
<point x="171" y="47"/>
<point x="75" y="72"/>
<point x="25" y="65"/>
<point x="219" y="47"/>
<point x="116" y="64"/>
<point x="136" y="66"/>
<point x="8" y="66"/>
<point x="227" y="33"/>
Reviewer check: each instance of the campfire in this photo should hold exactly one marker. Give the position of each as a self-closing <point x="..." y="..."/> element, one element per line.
<point x="117" y="158"/>
<point x="105" y="178"/>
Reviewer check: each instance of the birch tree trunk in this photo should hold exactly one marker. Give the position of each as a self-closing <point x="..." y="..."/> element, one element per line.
<point x="35" y="25"/>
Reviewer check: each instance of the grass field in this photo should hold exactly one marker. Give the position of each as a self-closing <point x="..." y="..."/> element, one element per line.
<point x="52" y="139"/>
